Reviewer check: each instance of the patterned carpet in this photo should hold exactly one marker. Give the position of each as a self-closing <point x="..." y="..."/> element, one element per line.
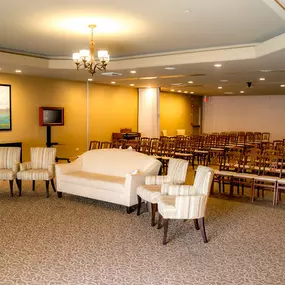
<point x="80" y="241"/>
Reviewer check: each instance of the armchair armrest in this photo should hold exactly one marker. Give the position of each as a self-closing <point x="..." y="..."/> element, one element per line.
<point x="178" y="190"/>
<point x="51" y="169"/>
<point x="156" y="179"/>
<point x="191" y="206"/>
<point x="25" y="166"/>
<point x="16" y="167"/>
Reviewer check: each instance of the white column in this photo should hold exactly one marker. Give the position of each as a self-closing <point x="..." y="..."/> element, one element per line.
<point x="87" y="115"/>
<point x="149" y="114"/>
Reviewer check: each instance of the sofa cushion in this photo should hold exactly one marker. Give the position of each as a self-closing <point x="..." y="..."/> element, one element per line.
<point x="118" y="162"/>
<point x="94" y="180"/>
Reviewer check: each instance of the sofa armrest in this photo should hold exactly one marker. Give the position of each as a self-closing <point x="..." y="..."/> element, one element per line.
<point x="16" y="167"/>
<point x="25" y="166"/>
<point x="133" y="181"/>
<point x="51" y="169"/>
<point x="68" y="167"/>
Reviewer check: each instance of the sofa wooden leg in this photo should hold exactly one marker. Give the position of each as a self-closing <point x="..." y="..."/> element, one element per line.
<point x="59" y="194"/>
<point x="153" y="211"/>
<point x="196" y="224"/>
<point x="34" y="185"/>
<point x="11" y="188"/>
<point x="47" y="188"/>
<point x="202" y="227"/>
<point x="165" y="225"/>
<point x="52" y="184"/>
<point x="129" y="210"/>
<point x="139" y="205"/>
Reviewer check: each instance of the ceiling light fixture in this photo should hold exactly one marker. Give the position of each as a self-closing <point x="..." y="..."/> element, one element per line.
<point x="179" y="91"/>
<point x="262" y="79"/>
<point x="217" y="65"/>
<point x="169" y="68"/>
<point x="190" y="82"/>
<point x="282" y="85"/>
<point x="113" y="82"/>
<point x="241" y="92"/>
<point x="185" y="91"/>
<point x="191" y="92"/>
<point x="220" y="87"/>
<point x="90" y="79"/>
<point x="18" y="71"/>
<point x="172" y="90"/>
<point x="85" y="59"/>
<point x="132" y="84"/>
<point x="224" y="80"/>
<point x="133" y="72"/>
<point x="148" y="78"/>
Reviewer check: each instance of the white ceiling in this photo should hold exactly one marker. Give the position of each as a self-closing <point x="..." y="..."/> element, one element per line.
<point x="246" y="36"/>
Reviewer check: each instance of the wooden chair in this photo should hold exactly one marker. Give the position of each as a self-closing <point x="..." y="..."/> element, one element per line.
<point x="106" y="145"/>
<point x="94" y="145"/>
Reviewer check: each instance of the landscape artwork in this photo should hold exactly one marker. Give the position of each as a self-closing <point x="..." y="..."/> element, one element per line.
<point x="5" y="107"/>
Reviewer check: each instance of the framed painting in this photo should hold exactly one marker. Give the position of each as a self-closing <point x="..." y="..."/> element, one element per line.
<point x="5" y="108"/>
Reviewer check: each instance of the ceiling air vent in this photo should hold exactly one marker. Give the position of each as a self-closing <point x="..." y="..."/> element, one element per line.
<point x="111" y="73"/>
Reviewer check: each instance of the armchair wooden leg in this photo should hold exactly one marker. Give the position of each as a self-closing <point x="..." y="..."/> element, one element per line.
<point x="20" y="187"/>
<point x="139" y="205"/>
<point x="159" y="225"/>
<point x="153" y="211"/>
<point x="129" y="210"/>
<point x="47" y="188"/>
<point x="202" y="227"/>
<point x="59" y="194"/>
<point x="11" y="188"/>
<point x="196" y="224"/>
<point x="34" y="185"/>
<point x="165" y="225"/>
<point x="52" y="184"/>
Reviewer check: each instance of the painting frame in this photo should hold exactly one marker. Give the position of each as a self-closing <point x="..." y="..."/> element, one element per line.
<point x="5" y="107"/>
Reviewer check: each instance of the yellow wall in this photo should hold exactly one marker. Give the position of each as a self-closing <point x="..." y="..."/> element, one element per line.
<point x="111" y="108"/>
<point x="175" y="112"/>
<point x="28" y="94"/>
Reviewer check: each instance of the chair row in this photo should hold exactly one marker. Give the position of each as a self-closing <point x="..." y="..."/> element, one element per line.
<point x="40" y="167"/>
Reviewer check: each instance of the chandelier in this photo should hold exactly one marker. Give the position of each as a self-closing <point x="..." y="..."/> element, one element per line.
<point x="85" y="59"/>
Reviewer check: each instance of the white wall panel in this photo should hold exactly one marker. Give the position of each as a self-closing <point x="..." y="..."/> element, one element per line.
<point x="245" y="113"/>
<point x="148" y="115"/>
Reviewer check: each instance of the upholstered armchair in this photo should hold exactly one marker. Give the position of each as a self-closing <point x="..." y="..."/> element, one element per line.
<point x="151" y="191"/>
<point x="9" y="164"/>
<point x="41" y="167"/>
<point x="186" y="202"/>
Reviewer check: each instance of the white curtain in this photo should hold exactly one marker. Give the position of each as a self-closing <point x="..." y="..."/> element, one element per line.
<point x="148" y="116"/>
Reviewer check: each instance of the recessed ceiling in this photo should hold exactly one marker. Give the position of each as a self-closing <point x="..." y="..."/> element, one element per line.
<point x="148" y="36"/>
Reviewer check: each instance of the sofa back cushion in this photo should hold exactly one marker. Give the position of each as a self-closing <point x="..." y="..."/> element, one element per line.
<point x="115" y="162"/>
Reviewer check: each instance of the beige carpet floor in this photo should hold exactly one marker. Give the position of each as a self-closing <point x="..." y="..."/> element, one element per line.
<point x="81" y="241"/>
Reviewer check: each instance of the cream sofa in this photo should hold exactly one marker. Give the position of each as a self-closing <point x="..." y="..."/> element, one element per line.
<point x="110" y="175"/>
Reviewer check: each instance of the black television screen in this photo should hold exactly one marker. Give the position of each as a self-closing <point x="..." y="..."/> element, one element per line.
<point x="51" y="116"/>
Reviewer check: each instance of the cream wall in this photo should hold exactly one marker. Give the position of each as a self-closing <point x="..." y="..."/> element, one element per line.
<point x="245" y="113"/>
<point x="111" y="108"/>
<point x="175" y="112"/>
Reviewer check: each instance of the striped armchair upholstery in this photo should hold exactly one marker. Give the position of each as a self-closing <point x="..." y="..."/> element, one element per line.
<point x="151" y="191"/>
<point x="187" y="202"/>
<point x="9" y="164"/>
<point x="41" y="167"/>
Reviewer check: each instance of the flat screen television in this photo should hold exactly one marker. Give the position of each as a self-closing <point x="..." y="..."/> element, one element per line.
<point x="51" y="116"/>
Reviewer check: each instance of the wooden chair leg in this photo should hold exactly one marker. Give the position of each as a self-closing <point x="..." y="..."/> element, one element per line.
<point x="47" y="188"/>
<point x="196" y="224"/>
<point x="20" y="187"/>
<point x="252" y="191"/>
<point x="11" y="188"/>
<point x="202" y="227"/>
<point x="153" y="211"/>
<point x="139" y="205"/>
<point x="34" y="185"/>
<point x="59" y="194"/>
<point x="165" y="225"/>
<point x="52" y="184"/>
<point x="159" y="226"/>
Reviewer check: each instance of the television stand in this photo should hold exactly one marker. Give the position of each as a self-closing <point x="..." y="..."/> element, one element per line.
<point x="49" y="143"/>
